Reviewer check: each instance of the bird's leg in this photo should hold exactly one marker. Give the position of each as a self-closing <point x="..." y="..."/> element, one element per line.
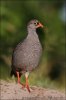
<point x="26" y="77"/>
<point x="18" y="77"/>
<point x="27" y="84"/>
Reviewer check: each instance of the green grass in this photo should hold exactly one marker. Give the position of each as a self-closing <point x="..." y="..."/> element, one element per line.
<point x="4" y="72"/>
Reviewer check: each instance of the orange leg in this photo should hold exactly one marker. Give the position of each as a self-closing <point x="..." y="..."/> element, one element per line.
<point x="18" y="77"/>
<point x="27" y="85"/>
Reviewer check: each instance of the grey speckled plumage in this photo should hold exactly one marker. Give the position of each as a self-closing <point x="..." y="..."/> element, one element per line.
<point x="27" y="53"/>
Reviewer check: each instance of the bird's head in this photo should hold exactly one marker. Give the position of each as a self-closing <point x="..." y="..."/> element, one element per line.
<point x="34" y="24"/>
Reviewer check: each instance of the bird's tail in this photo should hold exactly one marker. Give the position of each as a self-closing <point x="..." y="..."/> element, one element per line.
<point x="13" y="73"/>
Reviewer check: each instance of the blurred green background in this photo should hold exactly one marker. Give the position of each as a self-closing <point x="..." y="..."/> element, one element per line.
<point x="14" y="16"/>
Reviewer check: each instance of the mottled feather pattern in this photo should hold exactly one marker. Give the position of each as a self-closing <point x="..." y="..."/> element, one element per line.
<point x="27" y="54"/>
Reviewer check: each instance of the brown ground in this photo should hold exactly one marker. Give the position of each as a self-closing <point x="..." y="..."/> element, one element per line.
<point x="13" y="91"/>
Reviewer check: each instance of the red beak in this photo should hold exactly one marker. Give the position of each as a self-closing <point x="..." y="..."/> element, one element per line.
<point x="39" y="25"/>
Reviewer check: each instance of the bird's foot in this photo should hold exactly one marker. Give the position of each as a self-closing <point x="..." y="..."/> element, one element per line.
<point x="26" y="86"/>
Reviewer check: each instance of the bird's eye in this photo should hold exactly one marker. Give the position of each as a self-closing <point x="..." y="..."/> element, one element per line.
<point x="36" y="23"/>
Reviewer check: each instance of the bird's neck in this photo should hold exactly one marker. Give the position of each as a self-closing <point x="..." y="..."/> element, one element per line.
<point x="31" y="30"/>
<point x="32" y="33"/>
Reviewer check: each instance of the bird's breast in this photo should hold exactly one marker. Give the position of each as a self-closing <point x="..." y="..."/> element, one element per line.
<point x="28" y="54"/>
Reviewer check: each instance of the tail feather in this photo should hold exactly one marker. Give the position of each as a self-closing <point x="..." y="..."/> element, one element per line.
<point x="13" y="73"/>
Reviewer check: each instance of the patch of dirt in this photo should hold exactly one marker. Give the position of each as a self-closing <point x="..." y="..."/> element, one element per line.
<point x="14" y="91"/>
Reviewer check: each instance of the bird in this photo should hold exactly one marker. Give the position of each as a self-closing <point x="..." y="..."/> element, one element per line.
<point x="27" y="53"/>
